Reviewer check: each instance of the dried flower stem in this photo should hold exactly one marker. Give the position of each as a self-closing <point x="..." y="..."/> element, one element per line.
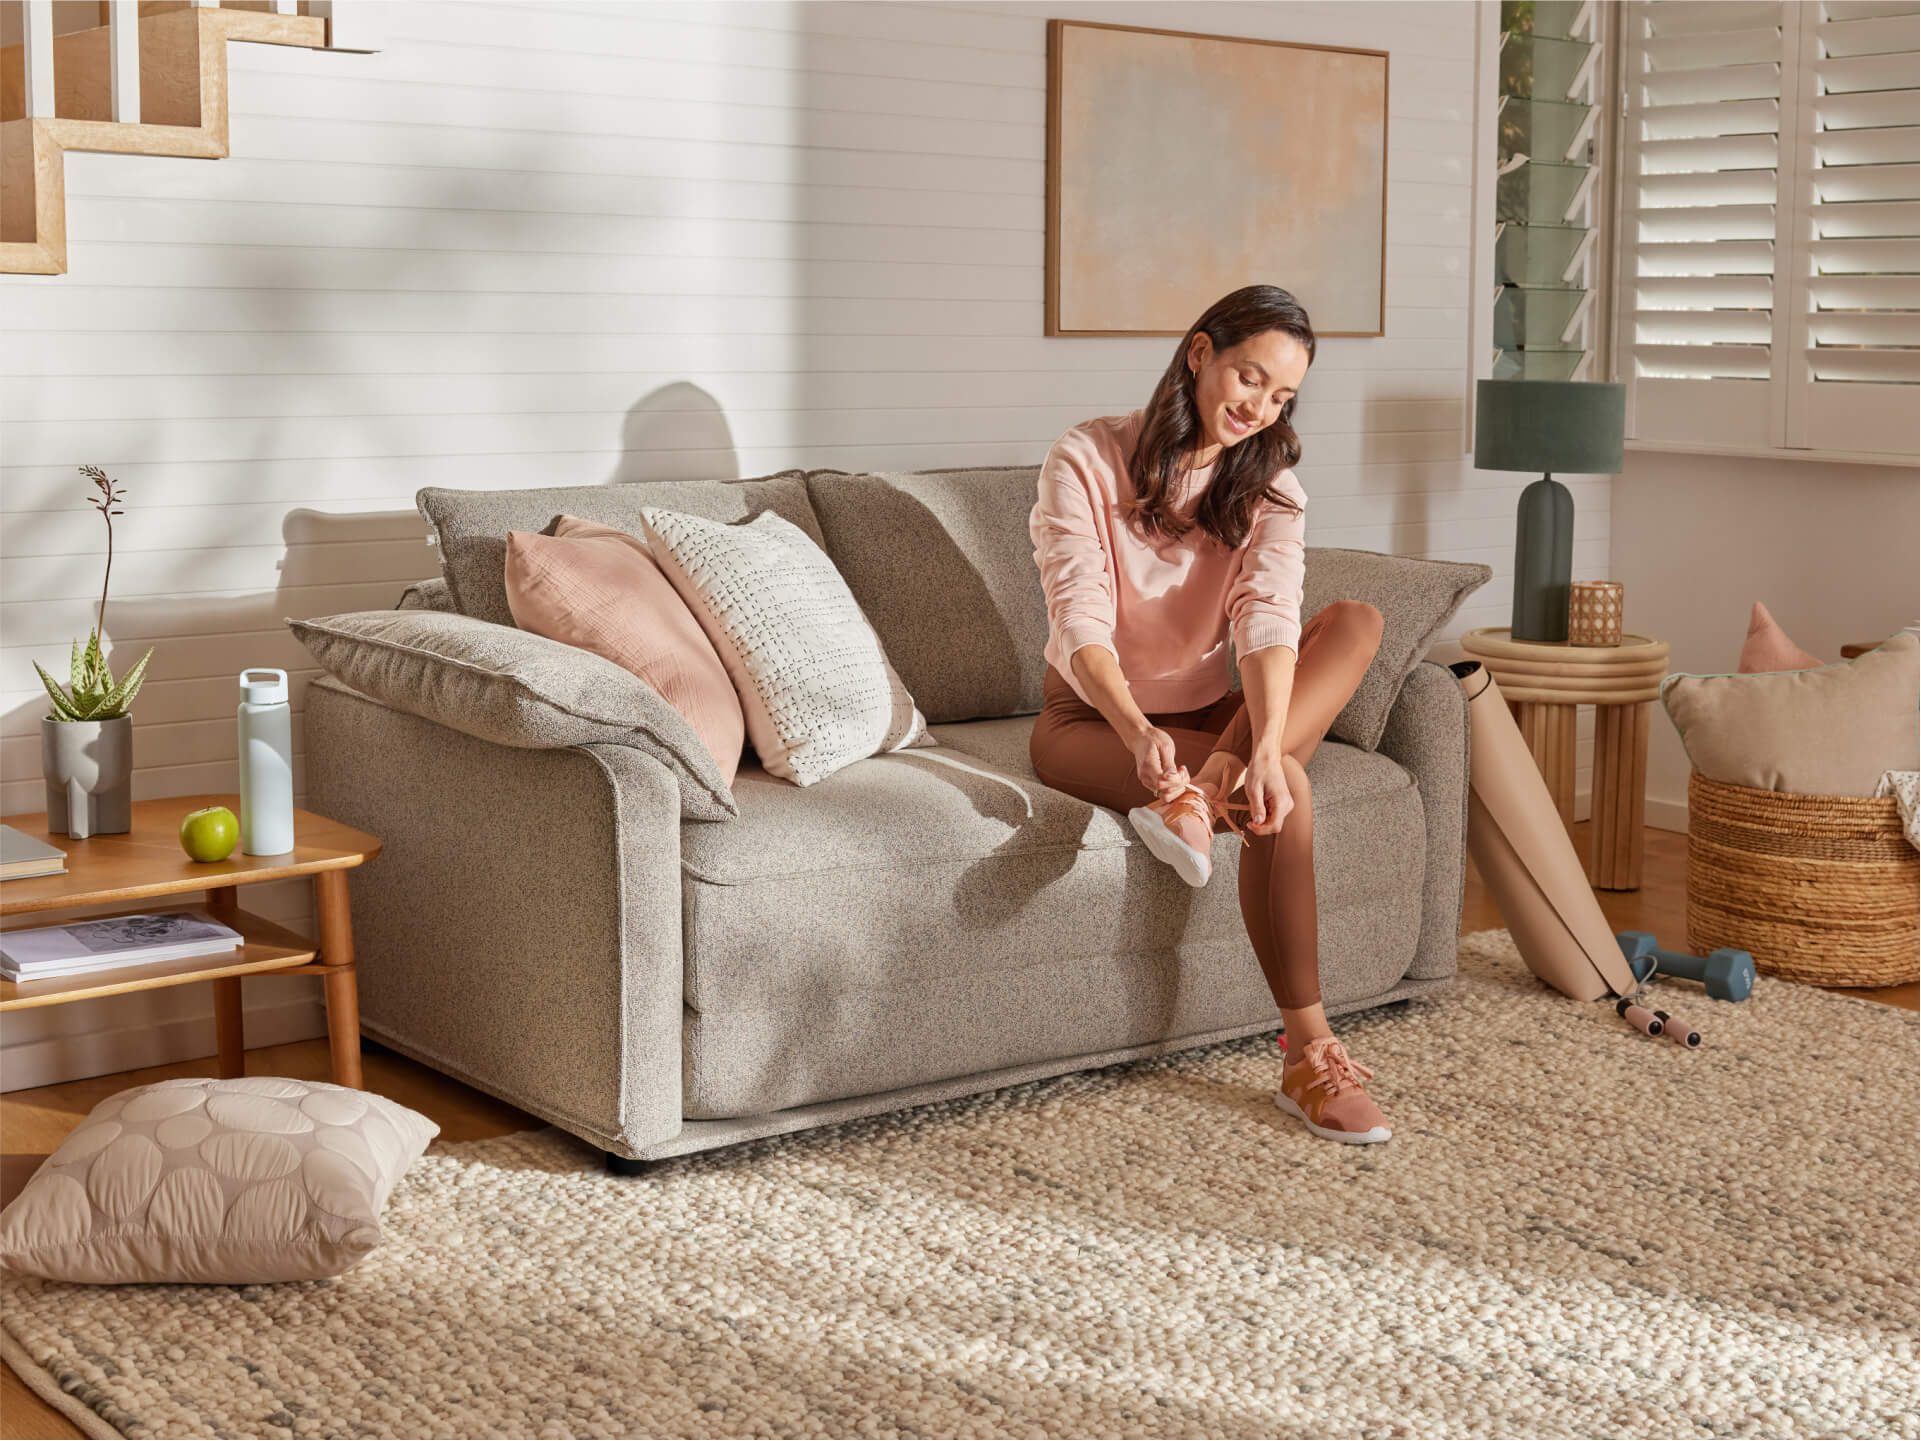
<point x="107" y="502"/>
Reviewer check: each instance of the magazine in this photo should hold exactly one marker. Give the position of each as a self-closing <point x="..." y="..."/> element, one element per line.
<point x="80" y="947"/>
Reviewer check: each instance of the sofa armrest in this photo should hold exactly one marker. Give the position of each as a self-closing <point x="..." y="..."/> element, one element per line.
<point x="520" y="929"/>
<point x="514" y="688"/>
<point x="1426" y="735"/>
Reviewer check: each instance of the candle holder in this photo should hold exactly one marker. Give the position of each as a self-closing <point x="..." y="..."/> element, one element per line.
<point x="1594" y="612"/>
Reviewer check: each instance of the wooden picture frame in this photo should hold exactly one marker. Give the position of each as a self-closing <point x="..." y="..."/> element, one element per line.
<point x="1118" y="94"/>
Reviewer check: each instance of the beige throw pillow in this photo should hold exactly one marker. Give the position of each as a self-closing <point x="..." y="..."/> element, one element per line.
<point x="814" y="683"/>
<point x="1829" y="732"/>
<point x="225" y="1182"/>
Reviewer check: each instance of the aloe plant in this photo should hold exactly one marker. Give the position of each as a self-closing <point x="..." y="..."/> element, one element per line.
<point x="91" y="693"/>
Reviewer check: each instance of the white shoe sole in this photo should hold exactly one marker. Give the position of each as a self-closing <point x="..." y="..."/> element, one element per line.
<point x="1190" y="865"/>
<point x="1352" y="1138"/>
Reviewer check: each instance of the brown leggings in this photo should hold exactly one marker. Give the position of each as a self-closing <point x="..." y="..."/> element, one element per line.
<point x="1075" y="750"/>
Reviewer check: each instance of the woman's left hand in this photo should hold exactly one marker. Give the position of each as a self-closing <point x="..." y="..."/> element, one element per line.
<point x="1269" y="798"/>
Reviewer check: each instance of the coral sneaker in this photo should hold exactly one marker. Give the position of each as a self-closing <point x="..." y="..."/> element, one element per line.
<point x="1322" y="1090"/>
<point x="1179" y="829"/>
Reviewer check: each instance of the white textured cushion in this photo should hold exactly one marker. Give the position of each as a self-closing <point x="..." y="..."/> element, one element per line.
<point x="814" y="683"/>
<point x="228" y="1182"/>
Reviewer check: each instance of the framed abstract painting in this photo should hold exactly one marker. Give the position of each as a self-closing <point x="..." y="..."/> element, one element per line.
<point x="1181" y="167"/>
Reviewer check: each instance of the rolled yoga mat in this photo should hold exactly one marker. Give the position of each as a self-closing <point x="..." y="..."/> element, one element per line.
<point x="1524" y="855"/>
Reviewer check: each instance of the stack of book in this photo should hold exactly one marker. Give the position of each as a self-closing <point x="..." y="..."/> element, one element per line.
<point x="108" y="943"/>
<point x="22" y="856"/>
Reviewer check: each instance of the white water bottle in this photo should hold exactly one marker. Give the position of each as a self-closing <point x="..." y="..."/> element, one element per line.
<point x="266" y="764"/>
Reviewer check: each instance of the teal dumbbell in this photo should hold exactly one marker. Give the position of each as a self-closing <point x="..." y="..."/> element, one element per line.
<point x="1728" y="974"/>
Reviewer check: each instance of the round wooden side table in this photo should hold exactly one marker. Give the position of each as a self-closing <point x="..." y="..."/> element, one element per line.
<point x="1545" y="683"/>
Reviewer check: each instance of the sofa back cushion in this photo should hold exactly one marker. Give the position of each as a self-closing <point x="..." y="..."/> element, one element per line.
<point x="426" y="595"/>
<point x="471" y="525"/>
<point x="941" y="562"/>
<point x="1416" y="599"/>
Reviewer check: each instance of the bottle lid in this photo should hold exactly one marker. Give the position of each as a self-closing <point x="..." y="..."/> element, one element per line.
<point x="255" y="690"/>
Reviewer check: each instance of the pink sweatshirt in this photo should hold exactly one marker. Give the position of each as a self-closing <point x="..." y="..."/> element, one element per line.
<point x="1164" y="608"/>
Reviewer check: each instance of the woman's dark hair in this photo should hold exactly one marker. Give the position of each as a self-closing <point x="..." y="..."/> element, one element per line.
<point x="1171" y="428"/>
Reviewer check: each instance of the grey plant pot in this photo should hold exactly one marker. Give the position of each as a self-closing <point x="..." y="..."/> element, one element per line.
<point x="88" y="766"/>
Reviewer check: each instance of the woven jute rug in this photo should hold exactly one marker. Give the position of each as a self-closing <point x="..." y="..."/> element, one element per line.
<point x="1576" y="1231"/>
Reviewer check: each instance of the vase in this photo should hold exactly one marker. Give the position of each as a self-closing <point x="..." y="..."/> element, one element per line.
<point x="88" y="767"/>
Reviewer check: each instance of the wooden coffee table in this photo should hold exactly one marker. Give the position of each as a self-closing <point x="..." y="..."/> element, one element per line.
<point x="146" y="865"/>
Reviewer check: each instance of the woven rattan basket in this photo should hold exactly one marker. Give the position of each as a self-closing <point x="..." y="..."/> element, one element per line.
<point x="1815" y="888"/>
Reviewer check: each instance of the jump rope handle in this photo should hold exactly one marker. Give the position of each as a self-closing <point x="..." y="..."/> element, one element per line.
<point x="1639" y="1017"/>
<point x="1680" y="1032"/>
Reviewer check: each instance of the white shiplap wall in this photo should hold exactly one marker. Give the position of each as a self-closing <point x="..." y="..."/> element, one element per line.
<point x="571" y="243"/>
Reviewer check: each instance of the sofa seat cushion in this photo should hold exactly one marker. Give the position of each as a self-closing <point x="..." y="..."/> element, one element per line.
<point x="1001" y="743"/>
<point x="918" y="865"/>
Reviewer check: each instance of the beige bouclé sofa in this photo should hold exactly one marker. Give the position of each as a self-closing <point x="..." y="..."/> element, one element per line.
<point x="564" y="919"/>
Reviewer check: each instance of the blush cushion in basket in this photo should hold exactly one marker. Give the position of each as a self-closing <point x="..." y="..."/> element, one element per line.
<point x="814" y="682"/>
<point x="236" y="1182"/>
<point x="595" y="587"/>
<point x="1770" y="648"/>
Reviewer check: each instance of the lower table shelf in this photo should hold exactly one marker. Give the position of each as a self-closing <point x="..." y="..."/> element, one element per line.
<point x="268" y="947"/>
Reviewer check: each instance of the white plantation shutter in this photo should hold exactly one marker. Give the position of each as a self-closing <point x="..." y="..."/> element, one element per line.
<point x="1768" y="223"/>
<point x="1855" y="358"/>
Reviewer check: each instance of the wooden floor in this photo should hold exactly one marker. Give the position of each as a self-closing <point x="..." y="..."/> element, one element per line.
<point x="33" y="1122"/>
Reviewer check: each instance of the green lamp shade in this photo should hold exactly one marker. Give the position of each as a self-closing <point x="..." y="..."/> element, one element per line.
<point x="1546" y="425"/>
<point x="1549" y="425"/>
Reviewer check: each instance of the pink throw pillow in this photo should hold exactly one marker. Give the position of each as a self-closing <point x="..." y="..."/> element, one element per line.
<point x="1769" y="648"/>
<point x="598" y="588"/>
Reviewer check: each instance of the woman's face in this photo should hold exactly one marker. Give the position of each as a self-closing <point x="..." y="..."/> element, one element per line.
<point x="1241" y="390"/>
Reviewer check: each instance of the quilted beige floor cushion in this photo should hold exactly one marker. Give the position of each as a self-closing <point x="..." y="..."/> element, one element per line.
<point x="250" y="1180"/>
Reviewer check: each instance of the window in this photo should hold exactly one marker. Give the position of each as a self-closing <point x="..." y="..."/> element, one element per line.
<point x="1770" y="209"/>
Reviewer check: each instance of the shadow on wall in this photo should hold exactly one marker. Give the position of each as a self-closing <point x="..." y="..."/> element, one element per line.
<point x="678" y="432"/>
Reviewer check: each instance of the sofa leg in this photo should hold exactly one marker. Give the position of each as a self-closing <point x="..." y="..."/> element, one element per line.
<point x="627" y="1166"/>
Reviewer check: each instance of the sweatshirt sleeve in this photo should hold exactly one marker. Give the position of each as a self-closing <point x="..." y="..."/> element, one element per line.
<point x="1068" y="550"/>
<point x="1264" y="602"/>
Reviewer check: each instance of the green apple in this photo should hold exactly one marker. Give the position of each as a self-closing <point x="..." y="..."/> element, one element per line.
<point x="210" y="834"/>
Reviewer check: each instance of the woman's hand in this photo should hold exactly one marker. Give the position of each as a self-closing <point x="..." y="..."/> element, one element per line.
<point x="1269" y="798"/>
<point x="1155" y="762"/>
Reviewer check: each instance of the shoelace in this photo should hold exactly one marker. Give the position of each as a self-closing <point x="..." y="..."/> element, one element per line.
<point x="1192" y="799"/>
<point x="1337" y="1071"/>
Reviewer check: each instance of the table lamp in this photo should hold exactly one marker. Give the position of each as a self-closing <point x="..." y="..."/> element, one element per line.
<point x="1546" y="425"/>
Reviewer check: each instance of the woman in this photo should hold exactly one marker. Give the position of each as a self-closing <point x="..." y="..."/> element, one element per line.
<point x="1160" y="535"/>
